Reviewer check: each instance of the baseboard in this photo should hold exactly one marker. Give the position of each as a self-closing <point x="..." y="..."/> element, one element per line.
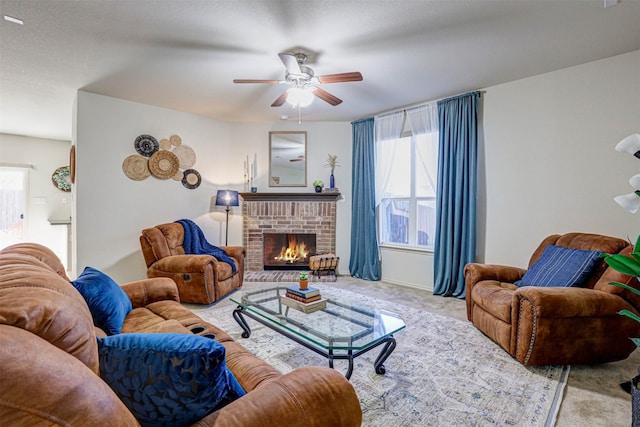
<point x="409" y="285"/>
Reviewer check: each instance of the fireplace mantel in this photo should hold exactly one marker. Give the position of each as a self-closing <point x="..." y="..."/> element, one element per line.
<point x="290" y="197"/>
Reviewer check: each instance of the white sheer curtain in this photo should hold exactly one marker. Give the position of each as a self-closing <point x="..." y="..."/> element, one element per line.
<point x="388" y="130"/>
<point x="423" y="120"/>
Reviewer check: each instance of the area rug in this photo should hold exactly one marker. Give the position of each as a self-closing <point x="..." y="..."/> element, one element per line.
<point x="285" y="276"/>
<point x="442" y="372"/>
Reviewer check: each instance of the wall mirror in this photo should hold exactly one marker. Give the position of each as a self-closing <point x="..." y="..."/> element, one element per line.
<point x="287" y="159"/>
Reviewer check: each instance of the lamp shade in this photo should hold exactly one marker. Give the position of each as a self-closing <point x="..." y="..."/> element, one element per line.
<point x="227" y="198"/>
<point x="630" y="144"/>
<point x="300" y="96"/>
<point x="630" y="202"/>
<point x="635" y="181"/>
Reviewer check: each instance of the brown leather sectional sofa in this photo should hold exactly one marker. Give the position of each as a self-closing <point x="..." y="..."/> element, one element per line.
<point x="49" y="360"/>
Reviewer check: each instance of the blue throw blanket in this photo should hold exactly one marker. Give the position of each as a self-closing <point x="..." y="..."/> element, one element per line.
<point x="195" y="243"/>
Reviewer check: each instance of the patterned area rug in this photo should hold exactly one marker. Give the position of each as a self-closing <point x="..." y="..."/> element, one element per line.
<point x="442" y="372"/>
<point x="286" y="276"/>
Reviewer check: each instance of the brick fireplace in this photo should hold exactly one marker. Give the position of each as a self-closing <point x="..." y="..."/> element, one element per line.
<point x="287" y="213"/>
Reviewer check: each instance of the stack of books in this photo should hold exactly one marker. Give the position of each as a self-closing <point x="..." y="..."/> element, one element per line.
<point x="310" y="294"/>
<point x="307" y="300"/>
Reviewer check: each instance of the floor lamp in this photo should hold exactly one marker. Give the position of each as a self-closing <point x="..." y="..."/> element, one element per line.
<point x="630" y="201"/>
<point x="227" y="198"/>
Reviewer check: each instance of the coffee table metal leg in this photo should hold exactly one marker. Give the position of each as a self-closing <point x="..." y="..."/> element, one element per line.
<point x="349" y="357"/>
<point x="350" y="369"/>
<point x="384" y="354"/>
<point x="237" y="314"/>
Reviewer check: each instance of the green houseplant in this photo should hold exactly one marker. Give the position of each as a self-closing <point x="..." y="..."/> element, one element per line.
<point x="303" y="280"/>
<point x="318" y="184"/>
<point x="332" y="162"/>
<point x="631" y="267"/>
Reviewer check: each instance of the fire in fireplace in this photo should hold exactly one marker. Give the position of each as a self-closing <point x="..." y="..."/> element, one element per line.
<point x="288" y="251"/>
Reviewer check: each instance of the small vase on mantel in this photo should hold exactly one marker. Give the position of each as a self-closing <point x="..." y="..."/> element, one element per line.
<point x="332" y="181"/>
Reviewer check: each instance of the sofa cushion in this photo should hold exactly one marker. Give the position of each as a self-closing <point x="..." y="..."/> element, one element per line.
<point x="108" y="303"/>
<point x="561" y="267"/>
<point x="495" y="298"/>
<point x="34" y="298"/>
<point x="167" y="379"/>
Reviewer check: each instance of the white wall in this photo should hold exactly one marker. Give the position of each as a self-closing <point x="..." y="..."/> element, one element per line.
<point x="112" y="209"/>
<point x="547" y="164"/>
<point x="323" y="138"/>
<point x="45" y="201"/>
<point x="551" y="166"/>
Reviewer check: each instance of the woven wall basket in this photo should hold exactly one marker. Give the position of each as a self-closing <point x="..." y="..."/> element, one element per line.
<point x="164" y="164"/>
<point x="136" y="167"/>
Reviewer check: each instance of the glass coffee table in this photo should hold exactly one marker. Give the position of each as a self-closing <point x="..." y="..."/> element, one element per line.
<point x="343" y="330"/>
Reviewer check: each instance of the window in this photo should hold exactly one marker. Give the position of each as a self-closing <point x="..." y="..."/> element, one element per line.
<point x="406" y="175"/>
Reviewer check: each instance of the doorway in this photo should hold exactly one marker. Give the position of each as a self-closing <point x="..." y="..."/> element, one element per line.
<point x="13" y="185"/>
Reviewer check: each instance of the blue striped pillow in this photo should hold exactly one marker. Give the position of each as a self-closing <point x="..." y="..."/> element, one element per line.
<point x="561" y="267"/>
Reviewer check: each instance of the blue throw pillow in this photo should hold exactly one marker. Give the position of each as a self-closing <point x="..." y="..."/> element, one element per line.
<point x="108" y="303"/>
<point x="561" y="267"/>
<point x="167" y="379"/>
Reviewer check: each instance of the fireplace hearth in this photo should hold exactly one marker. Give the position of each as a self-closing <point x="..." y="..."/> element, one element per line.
<point x="288" y="251"/>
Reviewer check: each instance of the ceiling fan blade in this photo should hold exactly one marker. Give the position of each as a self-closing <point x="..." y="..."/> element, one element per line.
<point x="291" y="63"/>
<point x="272" y="82"/>
<point x="327" y="97"/>
<point x="341" y="77"/>
<point x="281" y="99"/>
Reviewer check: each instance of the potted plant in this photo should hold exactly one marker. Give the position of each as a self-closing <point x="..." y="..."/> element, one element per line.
<point x="332" y="162"/>
<point x="631" y="267"/>
<point x="303" y="280"/>
<point x="318" y="184"/>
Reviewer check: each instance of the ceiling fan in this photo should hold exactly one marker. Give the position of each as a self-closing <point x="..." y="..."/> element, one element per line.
<point x="304" y="83"/>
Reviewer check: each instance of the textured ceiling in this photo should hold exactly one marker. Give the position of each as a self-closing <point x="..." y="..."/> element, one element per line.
<point x="184" y="54"/>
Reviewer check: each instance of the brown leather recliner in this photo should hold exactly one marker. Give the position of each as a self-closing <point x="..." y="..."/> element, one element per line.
<point x="556" y="325"/>
<point x="201" y="279"/>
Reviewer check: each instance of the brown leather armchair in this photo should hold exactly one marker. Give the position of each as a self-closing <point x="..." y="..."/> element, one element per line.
<point x="201" y="279"/>
<point x="556" y="325"/>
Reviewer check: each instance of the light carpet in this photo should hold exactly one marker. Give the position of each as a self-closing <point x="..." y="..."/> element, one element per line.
<point x="442" y="372"/>
<point x="286" y="276"/>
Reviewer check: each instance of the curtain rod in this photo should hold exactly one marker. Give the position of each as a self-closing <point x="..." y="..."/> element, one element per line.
<point x="16" y="165"/>
<point x="408" y="107"/>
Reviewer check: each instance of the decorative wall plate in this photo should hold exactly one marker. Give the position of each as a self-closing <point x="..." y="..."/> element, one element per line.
<point x="163" y="164"/>
<point x="178" y="176"/>
<point x="175" y="140"/>
<point x="136" y="167"/>
<point x="146" y="145"/>
<point x="186" y="155"/>
<point x="72" y="163"/>
<point x="61" y="178"/>
<point x="191" y="179"/>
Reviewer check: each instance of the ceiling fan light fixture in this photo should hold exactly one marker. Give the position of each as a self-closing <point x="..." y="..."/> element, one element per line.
<point x="300" y="97"/>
